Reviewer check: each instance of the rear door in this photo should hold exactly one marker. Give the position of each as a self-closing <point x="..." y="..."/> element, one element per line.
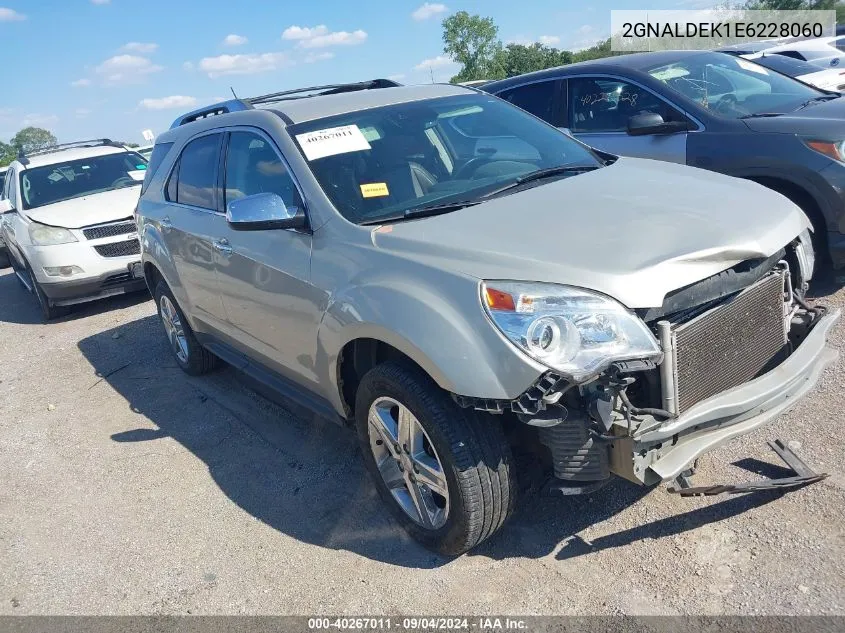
<point x="598" y="110"/>
<point x="272" y="309"/>
<point x="192" y="223"/>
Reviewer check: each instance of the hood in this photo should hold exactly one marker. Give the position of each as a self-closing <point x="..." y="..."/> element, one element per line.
<point x="635" y="231"/>
<point x="97" y="208"/>
<point x="825" y="120"/>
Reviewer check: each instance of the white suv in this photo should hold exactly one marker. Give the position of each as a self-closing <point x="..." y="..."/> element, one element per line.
<point x="67" y="220"/>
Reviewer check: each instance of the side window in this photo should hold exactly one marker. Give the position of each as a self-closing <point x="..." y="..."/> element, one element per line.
<point x="792" y="54"/>
<point x="253" y="166"/>
<point x="12" y="187"/>
<point x="540" y="99"/>
<point x="605" y="105"/>
<point x="159" y="152"/>
<point x="195" y="177"/>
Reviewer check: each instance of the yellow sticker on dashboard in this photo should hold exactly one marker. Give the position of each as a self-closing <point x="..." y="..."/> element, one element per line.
<point x="375" y="190"/>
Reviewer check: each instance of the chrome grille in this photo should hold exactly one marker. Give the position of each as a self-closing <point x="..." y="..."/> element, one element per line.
<point x="730" y="344"/>
<point x="109" y="230"/>
<point x="119" y="249"/>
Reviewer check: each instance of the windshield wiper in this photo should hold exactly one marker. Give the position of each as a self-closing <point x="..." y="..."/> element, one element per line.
<point x="424" y="211"/>
<point x="540" y="174"/>
<point x="760" y="115"/>
<point x="817" y="100"/>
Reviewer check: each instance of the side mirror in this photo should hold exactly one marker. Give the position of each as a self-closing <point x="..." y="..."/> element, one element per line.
<point x="263" y="211"/>
<point x="652" y="123"/>
<point x="6" y="206"/>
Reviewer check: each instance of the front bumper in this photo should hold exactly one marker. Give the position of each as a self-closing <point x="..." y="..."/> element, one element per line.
<point x="662" y="451"/>
<point x="70" y="292"/>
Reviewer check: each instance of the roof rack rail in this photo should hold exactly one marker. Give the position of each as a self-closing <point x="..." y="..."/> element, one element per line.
<point x="97" y="142"/>
<point x="239" y="105"/>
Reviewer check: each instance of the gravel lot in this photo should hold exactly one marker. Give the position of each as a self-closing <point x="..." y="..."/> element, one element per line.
<point x="130" y="488"/>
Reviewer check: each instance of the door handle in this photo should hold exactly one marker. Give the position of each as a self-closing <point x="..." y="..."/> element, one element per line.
<point x="223" y="247"/>
<point x="166" y="224"/>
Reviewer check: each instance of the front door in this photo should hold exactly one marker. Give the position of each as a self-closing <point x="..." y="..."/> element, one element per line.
<point x="598" y="112"/>
<point x="272" y="309"/>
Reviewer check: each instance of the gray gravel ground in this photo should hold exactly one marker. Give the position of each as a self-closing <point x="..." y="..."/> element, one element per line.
<point x="130" y="488"/>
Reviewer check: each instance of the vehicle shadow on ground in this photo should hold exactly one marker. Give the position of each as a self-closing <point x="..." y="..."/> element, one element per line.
<point x="305" y="478"/>
<point x="18" y="305"/>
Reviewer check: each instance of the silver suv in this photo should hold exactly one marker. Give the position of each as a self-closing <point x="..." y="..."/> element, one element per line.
<point x="481" y="296"/>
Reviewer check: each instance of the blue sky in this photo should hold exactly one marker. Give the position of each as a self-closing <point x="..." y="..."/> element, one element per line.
<point x="92" y="68"/>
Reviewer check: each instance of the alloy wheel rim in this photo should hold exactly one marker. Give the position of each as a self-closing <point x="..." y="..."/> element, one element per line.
<point x="408" y="463"/>
<point x="174" y="329"/>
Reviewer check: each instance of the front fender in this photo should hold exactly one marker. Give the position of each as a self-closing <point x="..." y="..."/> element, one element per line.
<point x="443" y="329"/>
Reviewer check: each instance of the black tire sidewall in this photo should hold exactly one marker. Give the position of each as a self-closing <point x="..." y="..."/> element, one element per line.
<point x="376" y="385"/>
<point x="162" y="289"/>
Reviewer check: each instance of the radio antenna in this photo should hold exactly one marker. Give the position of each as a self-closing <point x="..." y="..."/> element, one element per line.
<point x="233" y="92"/>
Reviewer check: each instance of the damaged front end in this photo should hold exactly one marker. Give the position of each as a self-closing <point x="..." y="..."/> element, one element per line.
<point x="736" y="350"/>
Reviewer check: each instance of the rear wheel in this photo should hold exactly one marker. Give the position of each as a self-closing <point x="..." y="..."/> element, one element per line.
<point x="192" y="357"/>
<point x="443" y="471"/>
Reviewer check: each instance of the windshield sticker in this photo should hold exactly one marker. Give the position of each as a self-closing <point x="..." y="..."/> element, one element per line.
<point x="754" y="68"/>
<point x="136" y="175"/>
<point x="140" y="167"/>
<point x="332" y="141"/>
<point x="55" y="177"/>
<point x="375" y="190"/>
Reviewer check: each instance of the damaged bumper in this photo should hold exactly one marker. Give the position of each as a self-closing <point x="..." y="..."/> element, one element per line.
<point x="661" y="451"/>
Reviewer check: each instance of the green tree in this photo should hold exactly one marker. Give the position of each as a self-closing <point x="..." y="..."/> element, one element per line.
<point x="473" y="42"/>
<point x="517" y="59"/>
<point x="7" y="154"/>
<point x="601" y="49"/>
<point x="30" y="139"/>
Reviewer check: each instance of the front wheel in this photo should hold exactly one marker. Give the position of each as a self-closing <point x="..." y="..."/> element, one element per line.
<point x="444" y="471"/>
<point x="48" y="310"/>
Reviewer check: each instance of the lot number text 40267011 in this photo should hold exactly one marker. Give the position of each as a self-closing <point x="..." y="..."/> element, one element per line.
<point x="418" y="624"/>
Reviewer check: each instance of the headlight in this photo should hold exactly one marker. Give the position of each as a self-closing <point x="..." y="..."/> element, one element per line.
<point x="62" y="271"/>
<point x="573" y="331"/>
<point x="43" y="235"/>
<point x="831" y="149"/>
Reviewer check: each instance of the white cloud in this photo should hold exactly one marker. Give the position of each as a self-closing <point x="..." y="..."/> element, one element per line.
<point x="167" y="103"/>
<point x="81" y="83"/>
<point x="10" y="15"/>
<point x="428" y="10"/>
<point x="320" y="36"/>
<point x="234" y="40"/>
<point x="310" y="58"/>
<point x="140" y="47"/>
<point x="188" y="66"/>
<point x="396" y="77"/>
<point x="39" y="120"/>
<point x="585" y="29"/>
<point x="436" y="62"/>
<point x="126" y="68"/>
<point x="303" y="32"/>
<point x="100" y="1"/>
<point x="243" y="64"/>
<point x="549" y="40"/>
<point x="81" y="113"/>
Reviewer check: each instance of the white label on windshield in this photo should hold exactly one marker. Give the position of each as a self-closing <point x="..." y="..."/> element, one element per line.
<point x="754" y="68"/>
<point x="137" y="174"/>
<point x="335" y="140"/>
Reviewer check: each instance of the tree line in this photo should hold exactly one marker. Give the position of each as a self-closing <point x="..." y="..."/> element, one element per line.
<point x="473" y="42"/>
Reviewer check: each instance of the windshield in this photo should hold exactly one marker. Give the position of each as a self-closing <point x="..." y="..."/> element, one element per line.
<point x="383" y="161"/>
<point x="733" y="87"/>
<point x="62" y="181"/>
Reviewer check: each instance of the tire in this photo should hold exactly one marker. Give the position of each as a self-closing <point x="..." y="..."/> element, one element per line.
<point x="470" y="448"/>
<point x="192" y="357"/>
<point x="48" y="311"/>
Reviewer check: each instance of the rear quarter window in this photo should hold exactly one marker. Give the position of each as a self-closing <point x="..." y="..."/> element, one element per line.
<point x="159" y="152"/>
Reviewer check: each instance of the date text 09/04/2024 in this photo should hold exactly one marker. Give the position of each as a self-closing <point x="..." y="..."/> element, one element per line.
<point x="418" y="623"/>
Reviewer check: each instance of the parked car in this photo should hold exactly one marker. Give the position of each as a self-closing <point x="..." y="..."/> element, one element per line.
<point x="4" y="253"/>
<point x="145" y="151"/>
<point x="475" y="292"/>
<point x="705" y="109"/>
<point x="823" y="52"/>
<point x="825" y="78"/>
<point x="67" y="221"/>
